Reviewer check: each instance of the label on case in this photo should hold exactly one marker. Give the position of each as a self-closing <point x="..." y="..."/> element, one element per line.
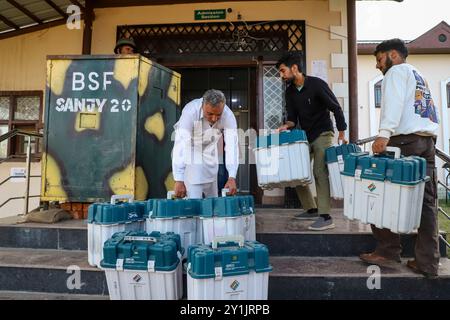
<point x="358" y="174"/>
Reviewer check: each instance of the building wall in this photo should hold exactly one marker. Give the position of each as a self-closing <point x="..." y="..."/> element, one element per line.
<point x="17" y="189"/>
<point x="23" y="67"/>
<point x="23" y="57"/>
<point x="317" y="15"/>
<point x="436" y="69"/>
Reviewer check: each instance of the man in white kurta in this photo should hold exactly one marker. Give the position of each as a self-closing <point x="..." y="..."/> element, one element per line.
<point x="195" y="157"/>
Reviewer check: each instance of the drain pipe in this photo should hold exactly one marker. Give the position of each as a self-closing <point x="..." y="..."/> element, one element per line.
<point x="27" y="189"/>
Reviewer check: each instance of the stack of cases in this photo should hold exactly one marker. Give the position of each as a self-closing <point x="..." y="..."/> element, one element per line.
<point x="383" y="191"/>
<point x="282" y="160"/>
<point x="105" y="219"/>
<point x="141" y="266"/>
<point x="232" y="270"/>
<point x="178" y="216"/>
<point x="227" y="216"/>
<point x="334" y="158"/>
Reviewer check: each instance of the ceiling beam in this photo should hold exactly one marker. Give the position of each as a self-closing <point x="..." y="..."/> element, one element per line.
<point x="57" y="9"/>
<point x="87" y="30"/>
<point x="9" y="22"/>
<point x="34" y="28"/>
<point x="128" y="3"/>
<point x="77" y="3"/>
<point x="24" y="10"/>
<point x="83" y="8"/>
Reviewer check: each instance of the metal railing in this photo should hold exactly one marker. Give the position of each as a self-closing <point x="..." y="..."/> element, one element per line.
<point x="446" y="158"/>
<point x="439" y="154"/>
<point x="28" y="135"/>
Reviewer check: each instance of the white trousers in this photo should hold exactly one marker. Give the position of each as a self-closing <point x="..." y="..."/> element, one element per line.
<point x="196" y="191"/>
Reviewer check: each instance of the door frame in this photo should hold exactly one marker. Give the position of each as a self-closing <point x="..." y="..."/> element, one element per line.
<point x="257" y="100"/>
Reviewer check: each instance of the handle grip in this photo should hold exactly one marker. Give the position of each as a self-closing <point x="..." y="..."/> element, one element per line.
<point x="116" y="197"/>
<point x="225" y="191"/>
<point x="391" y="152"/>
<point x="394" y="150"/>
<point x="235" y="238"/>
<point x="171" y="195"/>
<point x="135" y="238"/>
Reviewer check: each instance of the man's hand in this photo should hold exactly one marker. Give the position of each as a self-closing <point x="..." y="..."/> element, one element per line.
<point x="180" y="189"/>
<point x="231" y="185"/>
<point x="282" y="128"/>
<point x="341" y="138"/>
<point x="286" y="126"/>
<point x="379" y="145"/>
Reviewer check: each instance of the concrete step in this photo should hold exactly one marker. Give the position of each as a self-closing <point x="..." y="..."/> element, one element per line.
<point x="47" y="271"/>
<point x="64" y="235"/>
<point x="287" y="236"/>
<point x="328" y="278"/>
<point x="277" y="228"/>
<point x="54" y="271"/>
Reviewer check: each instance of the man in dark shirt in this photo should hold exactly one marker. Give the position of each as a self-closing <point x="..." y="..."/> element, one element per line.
<point x="309" y="101"/>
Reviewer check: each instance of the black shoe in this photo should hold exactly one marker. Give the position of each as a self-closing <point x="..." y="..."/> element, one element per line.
<point x="310" y="214"/>
<point x="321" y="224"/>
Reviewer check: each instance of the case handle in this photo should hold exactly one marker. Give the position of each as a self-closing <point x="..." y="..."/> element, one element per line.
<point x="225" y="191"/>
<point x="171" y="195"/>
<point x="235" y="238"/>
<point x="138" y="238"/>
<point x="392" y="152"/>
<point x="116" y="197"/>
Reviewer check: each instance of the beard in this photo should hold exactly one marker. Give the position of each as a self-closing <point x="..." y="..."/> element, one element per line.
<point x="288" y="81"/>
<point x="389" y="64"/>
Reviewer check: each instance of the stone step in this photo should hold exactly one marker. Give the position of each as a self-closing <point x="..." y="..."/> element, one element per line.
<point x="277" y="228"/>
<point x="287" y="236"/>
<point x="49" y="271"/>
<point x="347" y="278"/>
<point x="54" y="271"/>
<point x="64" y="235"/>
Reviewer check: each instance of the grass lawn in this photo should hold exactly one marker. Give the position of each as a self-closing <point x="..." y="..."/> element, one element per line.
<point x="444" y="223"/>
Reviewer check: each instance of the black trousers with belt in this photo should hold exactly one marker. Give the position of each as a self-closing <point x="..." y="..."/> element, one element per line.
<point x="427" y="243"/>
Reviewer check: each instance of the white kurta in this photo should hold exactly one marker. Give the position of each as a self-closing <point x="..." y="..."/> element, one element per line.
<point x="195" y="157"/>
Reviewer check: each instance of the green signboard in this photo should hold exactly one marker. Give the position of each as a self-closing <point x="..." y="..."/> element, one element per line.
<point x="210" y="14"/>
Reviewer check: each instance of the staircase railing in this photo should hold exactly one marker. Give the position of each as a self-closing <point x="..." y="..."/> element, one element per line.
<point x="27" y="176"/>
<point x="439" y="154"/>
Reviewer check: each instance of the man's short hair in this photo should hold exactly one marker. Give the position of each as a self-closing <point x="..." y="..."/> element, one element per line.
<point x="291" y="58"/>
<point x="214" y="97"/>
<point x="392" y="44"/>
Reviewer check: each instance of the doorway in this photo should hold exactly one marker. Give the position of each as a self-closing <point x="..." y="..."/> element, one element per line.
<point x="239" y="86"/>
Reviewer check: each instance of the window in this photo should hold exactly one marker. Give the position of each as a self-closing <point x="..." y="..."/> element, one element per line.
<point x="377" y="91"/>
<point x="20" y="110"/>
<point x="273" y="91"/>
